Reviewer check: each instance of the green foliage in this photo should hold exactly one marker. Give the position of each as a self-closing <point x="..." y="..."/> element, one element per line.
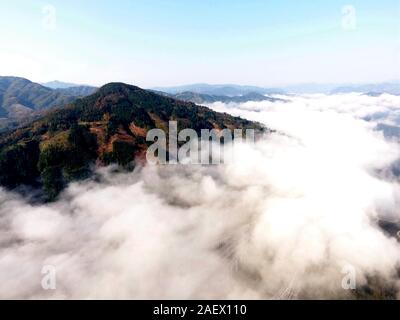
<point x="60" y="163"/>
<point x="83" y="141"/>
<point x="14" y="90"/>
<point x="123" y="153"/>
<point x="53" y="181"/>
<point x="18" y="164"/>
<point x="123" y="113"/>
<point x="63" y="119"/>
<point x="68" y="148"/>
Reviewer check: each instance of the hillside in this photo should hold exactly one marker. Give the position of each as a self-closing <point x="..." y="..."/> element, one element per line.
<point x="109" y="126"/>
<point x="20" y="91"/>
<point x="21" y="100"/>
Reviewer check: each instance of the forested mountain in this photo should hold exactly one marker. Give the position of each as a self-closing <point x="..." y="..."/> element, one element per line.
<point x="22" y="100"/>
<point x="109" y="126"/>
<point x="20" y="91"/>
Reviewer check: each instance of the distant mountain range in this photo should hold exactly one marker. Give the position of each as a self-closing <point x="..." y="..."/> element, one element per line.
<point x="62" y="85"/>
<point x="30" y="95"/>
<point x="72" y="89"/>
<point x="21" y="99"/>
<point x="59" y="84"/>
<point x="79" y="91"/>
<point x="109" y="126"/>
<point x="371" y="89"/>
<point x="87" y="125"/>
<point x="229" y="90"/>
<point x="200" y="98"/>
<point x="310" y="88"/>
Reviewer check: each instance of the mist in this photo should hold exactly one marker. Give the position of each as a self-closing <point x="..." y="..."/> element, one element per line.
<point x="285" y="218"/>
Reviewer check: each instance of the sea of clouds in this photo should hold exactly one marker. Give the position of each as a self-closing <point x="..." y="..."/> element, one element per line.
<point x="285" y="218"/>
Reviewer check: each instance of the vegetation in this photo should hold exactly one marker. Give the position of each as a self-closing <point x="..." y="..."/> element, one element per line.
<point x="66" y="157"/>
<point x="15" y="90"/>
<point x="22" y="101"/>
<point x="106" y="127"/>
<point x="123" y="154"/>
<point x="18" y="164"/>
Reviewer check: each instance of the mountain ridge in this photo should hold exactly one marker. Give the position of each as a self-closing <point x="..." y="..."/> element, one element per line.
<point x="21" y="99"/>
<point x="106" y="127"/>
<point x="371" y="89"/>
<point x="218" y="89"/>
<point x="200" y="98"/>
<point x="56" y="84"/>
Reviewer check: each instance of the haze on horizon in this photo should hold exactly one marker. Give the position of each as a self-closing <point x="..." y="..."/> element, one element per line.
<point x="166" y="43"/>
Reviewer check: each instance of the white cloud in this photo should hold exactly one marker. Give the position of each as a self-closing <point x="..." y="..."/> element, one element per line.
<point x="281" y="220"/>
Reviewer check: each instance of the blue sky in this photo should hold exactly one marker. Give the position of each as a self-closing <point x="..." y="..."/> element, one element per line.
<point x="171" y="42"/>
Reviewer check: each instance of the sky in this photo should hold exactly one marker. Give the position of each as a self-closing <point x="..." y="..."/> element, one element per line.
<point x="172" y="42"/>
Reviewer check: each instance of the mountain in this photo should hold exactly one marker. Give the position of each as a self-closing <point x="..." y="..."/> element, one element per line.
<point x="331" y="88"/>
<point x="70" y="89"/>
<point x="232" y="90"/>
<point x="109" y="126"/>
<point x="21" y="100"/>
<point x="208" y="98"/>
<point x="20" y="91"/>
<point x="79" y="91"/>
<point x="59" y="85"/>
<point x="220" y="89"/>
<point x="310" y="88"/>
<point x="371" y="89"/>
